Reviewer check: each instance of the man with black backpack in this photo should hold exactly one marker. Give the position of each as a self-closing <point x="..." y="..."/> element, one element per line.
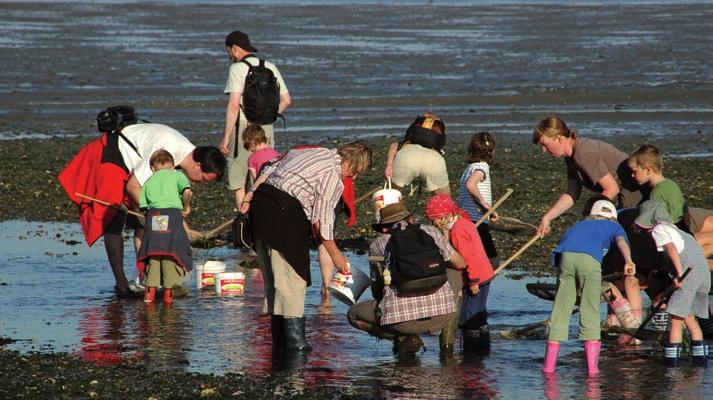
<point x="258" y="94"/>
<point x="416" y="285"/>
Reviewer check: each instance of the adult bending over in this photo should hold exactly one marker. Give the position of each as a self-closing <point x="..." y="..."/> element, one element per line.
<point x="590" y="163"/>
<point x="114" y="167"/>
<point x="290" y="202"/>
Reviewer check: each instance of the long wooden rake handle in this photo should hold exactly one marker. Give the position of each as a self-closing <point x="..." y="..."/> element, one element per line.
<point x="518" y="253"/>
<point x="104" y="203"/>
<point x="495" y="206"/>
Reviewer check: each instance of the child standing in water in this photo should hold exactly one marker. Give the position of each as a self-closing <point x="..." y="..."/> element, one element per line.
<point x="691" y="298"/>
<point x="475" y="193"/>
<point x="165" y="253"/>
<point x="457" y="227"/>
<point x="578" y="256"/>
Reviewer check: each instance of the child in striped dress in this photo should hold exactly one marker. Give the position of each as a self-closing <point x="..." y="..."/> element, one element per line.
<point x="474" y="195"/>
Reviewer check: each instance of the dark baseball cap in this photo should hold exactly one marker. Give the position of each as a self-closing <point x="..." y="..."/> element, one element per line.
<point x="239" y="39"/>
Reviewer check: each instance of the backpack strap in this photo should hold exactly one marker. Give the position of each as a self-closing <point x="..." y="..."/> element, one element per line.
<point x="133" y="146"/>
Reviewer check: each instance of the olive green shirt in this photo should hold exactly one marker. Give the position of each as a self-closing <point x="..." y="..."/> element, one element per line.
<point x="669" y="194"/>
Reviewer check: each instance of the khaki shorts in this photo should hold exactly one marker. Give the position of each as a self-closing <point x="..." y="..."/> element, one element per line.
<point x="696" y="217"/>
<point x="415" y="161"/>
<point x="238" y="167"/>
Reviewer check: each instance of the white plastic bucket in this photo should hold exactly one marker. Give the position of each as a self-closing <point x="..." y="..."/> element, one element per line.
<point x="230" y="284"/>
<point x="384" y="197"/>
<point x="348" y="288"/>
<point x="205" y="273"/>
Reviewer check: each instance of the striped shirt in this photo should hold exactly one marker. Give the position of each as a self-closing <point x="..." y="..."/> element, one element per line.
<point x="313" y="176"/>
<point x="395" y="308"/>
<point x="466" y="200"/>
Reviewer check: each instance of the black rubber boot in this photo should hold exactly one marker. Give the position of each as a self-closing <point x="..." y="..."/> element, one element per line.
<point x="672" y="351"/>
<point x="407" y="345"/>
<point x="484" y="339"/>
<point x="699" y="353"/>
<point x="471" y="340"/>
<point x="277" y="326"/>
<point x="295" y="334"/>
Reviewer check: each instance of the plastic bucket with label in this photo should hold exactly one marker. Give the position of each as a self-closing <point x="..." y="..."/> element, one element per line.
<point x="384" y="197"/>
<point x="205" y="273"/>
<point x="230" y="284"/>
<point x="347" y="288"/>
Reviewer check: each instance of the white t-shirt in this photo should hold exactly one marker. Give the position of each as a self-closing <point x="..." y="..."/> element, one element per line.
<point x="664" y="233"/>
<point x="148" y="138"/>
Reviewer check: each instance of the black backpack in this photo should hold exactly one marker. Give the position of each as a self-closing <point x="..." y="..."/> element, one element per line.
<point x="261" y="94"/>
<point x="415" y="262"/>
<point x="114" y="119"/>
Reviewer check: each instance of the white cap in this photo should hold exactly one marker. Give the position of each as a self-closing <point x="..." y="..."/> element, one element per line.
<point x="604" y="208"/>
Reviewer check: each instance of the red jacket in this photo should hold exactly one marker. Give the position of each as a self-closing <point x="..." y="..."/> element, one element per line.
<point x="465" y="239"/>
<point x="87" y="174"/>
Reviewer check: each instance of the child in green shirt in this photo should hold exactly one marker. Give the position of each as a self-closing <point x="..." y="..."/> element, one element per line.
<point x="165" y="252"/>
<point x="646" y="165"/>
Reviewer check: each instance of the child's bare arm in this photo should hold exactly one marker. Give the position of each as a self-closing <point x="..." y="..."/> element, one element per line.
<point x="672" y="253"/>
<point x="186" y="197"/>
<point x="629" y="266"/>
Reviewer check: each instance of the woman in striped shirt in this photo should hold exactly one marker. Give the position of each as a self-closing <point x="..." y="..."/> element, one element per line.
<point x="292" y="202"/>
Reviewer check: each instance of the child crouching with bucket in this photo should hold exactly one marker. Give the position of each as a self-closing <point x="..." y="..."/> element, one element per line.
<point x="578" y="256"/>
<point x="463" y="236"/>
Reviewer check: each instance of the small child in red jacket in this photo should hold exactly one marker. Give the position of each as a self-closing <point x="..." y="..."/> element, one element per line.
<point x="463" y="235"/>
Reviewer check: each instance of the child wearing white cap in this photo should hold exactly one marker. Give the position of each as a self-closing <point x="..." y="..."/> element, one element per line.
<point x="578" y="256"/>
<point x="691" y="299"/>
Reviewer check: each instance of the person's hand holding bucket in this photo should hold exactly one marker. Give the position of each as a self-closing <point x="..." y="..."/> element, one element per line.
<point x="348" y="287"/>
<point x="384" y="197"/>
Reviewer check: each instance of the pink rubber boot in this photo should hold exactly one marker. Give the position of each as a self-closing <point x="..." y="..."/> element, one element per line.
<point x="591" y="354"/>
<point x="551" y="353"/>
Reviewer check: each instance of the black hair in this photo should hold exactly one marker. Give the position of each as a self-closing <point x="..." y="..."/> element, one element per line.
<point x="211" y="159"/>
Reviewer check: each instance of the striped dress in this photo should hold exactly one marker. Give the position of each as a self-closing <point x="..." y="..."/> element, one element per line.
<point x="465" y="200"/>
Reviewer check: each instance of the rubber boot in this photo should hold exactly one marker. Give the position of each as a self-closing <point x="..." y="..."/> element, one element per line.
<point x="448" y="334"/>
<point x="591" y="354"/>
<point x="551" y="353"/>
<point x="484" y="339"/>
<point x="167" y="296"/>
<point x="150" y="294"/>
<point x="277" y="326"/>
<point x="407" y="345"/>
<point x="671" y="353"/>
<point x="699" y="353"/>
<point x="471" y="340"/>
<point x="295" y="335"/>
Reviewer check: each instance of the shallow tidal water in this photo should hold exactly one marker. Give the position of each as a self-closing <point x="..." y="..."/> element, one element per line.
<point x="56" y="295"/>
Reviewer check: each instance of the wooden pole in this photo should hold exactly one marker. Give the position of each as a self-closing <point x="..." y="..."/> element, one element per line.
<point x="215" y="231"/>
<point x="518" y="253"/>
<point x="366" y="196"/>
<point x="495" y="206"/>
<point x="114" y="206"/>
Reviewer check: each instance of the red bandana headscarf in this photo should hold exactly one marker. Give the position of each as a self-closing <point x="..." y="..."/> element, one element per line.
<point x="440" y="205"/>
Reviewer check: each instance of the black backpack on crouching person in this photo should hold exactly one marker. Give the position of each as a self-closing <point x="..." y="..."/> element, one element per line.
<point x="261" y="94"/>
<point x="415" y="262"/>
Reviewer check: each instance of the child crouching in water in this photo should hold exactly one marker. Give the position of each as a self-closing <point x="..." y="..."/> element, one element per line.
<point x="578" y="256"/>
<point x="165" y="253"/>
<point x="691" y="298"/>
<point x="463" y="236"/>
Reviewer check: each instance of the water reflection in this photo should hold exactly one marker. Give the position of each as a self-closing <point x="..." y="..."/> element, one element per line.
<point x="207" y="333"/>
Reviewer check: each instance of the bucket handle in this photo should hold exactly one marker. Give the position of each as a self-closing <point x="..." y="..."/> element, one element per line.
<point x="388" y="182"/>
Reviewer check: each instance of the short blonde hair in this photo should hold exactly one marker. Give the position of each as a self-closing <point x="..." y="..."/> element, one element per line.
<point x="647" y="156"/>
<point x="552" y="126"/>
<point x="358" y="154"/>
<point x="160" y="158"/>
<point x="253" y="135"/>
